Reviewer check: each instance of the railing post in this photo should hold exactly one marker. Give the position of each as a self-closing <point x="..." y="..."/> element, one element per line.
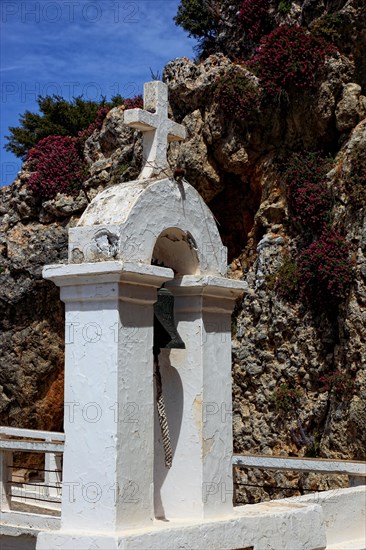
<point x="6" y="463"/>
<point x="52" y="477"/>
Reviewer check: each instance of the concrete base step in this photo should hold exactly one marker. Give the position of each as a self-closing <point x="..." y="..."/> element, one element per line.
<point x="356" y="544"/>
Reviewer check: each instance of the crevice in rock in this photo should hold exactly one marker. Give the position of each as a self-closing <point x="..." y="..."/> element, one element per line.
<point x="235" y="208"/>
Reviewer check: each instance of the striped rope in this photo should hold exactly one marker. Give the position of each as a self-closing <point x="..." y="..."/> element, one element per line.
<point x="163" y="421"/>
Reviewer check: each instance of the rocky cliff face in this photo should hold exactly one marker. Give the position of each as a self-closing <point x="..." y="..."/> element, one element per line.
<point x="281" y="347"/>
<point x="279" y="343"/>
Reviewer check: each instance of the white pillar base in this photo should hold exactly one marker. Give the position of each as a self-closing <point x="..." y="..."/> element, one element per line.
<point x="256" y="526"/>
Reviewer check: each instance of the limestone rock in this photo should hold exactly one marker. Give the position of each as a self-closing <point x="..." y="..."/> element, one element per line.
<point x="311" y="9"/>
<point x="192" y="151"/>
<point x="113" y="154"/>
<point x="234" y="164"/>
<point x="64" y="206"/>
<point x="351" y="108"/>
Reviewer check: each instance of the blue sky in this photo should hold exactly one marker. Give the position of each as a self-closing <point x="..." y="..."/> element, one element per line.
<point x="74" y="47"/>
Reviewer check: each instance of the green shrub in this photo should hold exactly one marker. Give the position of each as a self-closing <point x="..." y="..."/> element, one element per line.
<point x="200" y="21"/>
<point x="328" y="26"/>
<point x="238" y="96"/>
<point x="57" y="117"/>
<point x="356" y="181"/>
<point x="286" y="398"/>
<point x="285" y="279"/>
<point x="313" y="449"/>
<point x="284" y="7"/>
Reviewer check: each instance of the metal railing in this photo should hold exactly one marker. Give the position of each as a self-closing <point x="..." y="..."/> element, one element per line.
<point x="356" y="471"/>
<point x="20" y="495"/>
<point x="46" y="492"/>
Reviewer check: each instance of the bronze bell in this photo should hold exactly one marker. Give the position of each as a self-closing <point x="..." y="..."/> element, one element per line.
<point x="165" y="333"/>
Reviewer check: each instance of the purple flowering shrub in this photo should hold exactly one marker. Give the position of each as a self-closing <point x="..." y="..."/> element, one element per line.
<point x="324" y="269"/>
<point x="340" y="382"/>
<point x="95" y="125"/>
<point x="254" y="18"/>
<point x="238" y="96"/>
<point x="58" y="163"/>
<point x="135" y="102"/>
<point x="290" y="57"/>
<point x="58" y="167"/>
<point x="309" y="198"/>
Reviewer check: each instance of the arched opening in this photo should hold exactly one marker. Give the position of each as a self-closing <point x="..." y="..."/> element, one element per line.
<point x="177" y="250"/>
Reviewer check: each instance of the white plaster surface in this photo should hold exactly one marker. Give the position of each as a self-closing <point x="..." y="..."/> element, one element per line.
<point x="355" y="544"/>
<point x="332" y="519"/>
<point x="109" y="371"/>
<point x="157" y="128"/>
<point x="344" y="513"/>
<point x="263" y="526"/>
<point x="104" y="272"/>
<point x="197" y="391"/>
<point x="6" y="431"/>
<point x="108" y="393"/>
<point x="21" y="523"/>
<point x="352" y="468"/>
<point x="114" y="476"/>
<point x="125" y="221"/>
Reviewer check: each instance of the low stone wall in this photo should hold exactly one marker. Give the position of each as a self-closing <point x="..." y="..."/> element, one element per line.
<point x="344" y="516"/>
<point x="340" y="523"/>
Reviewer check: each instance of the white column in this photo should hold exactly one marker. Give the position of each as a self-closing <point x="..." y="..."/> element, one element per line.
<point x="199" y="485"/>
<point x="108" y="458"/>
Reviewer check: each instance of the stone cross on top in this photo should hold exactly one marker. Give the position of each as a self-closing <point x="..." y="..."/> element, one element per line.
<point x="158" y="129"/>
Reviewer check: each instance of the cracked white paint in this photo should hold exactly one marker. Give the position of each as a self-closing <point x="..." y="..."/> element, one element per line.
<point x="140" y="212"/>
<point x="109" y="366"/>
<point x="207" y="445"/>
<point x="262" y="526"/>
<point x="333" y="520"/>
